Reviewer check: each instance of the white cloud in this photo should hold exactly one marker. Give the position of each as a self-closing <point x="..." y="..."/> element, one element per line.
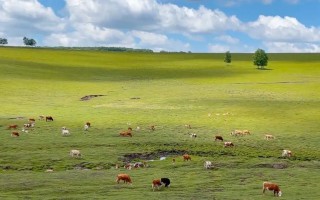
<point x="286" y="47"/>
<point x="27" y="17"/>
<point x="278" y="29"/>
<point x="228" y="39"/>
<point x="217" y="48"/>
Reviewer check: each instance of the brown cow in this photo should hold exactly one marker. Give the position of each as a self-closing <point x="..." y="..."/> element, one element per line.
<point x="124" y="177"/>
<point x="152" y="127"/>
<point x="88" y="124"/>
<point x="126" y="133"/>
<point x="13" y="126"/>
<point x="15" y="134"/>
<point x="156" y="183"/>
<point x="186" y="157"/>
<point x="218" y="137"/>
<point x="32" y="120"/>
<point x="49" y="118"/>
<point x="272" y="187"/>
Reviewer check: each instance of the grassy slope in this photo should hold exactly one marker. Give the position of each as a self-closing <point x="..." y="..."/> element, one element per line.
<point x="174" y="89"/>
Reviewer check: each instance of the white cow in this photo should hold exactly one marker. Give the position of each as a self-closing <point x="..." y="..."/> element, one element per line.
<point x="207" y="165"/>
<point x="86" y="127"/>
<point x="65" y="131"/>
<point x="75" y="153"/>
<point x="286" y="153"/>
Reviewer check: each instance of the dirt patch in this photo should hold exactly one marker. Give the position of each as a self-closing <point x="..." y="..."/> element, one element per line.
<point x="88" y="97"/>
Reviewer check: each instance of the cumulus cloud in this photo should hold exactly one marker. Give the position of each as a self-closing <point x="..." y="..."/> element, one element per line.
<point x="286" y="47"/>
<point x="281" y="29"/>
<point x="228" y="39"/>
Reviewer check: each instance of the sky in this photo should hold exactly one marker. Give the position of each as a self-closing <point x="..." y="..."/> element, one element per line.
<point x="166" y="25"/>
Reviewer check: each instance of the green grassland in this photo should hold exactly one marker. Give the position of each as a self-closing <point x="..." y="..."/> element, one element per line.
<point x="167" y="90"/>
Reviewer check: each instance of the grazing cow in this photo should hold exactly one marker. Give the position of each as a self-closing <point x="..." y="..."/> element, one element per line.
<point x="41" y="117"/>
<point x="272" y="187"/>
<point x="49" y="118"/>
<point x="286" y="153"/>
<point x="124" y="177"/>
<point x="218" y="137"/>
<point x="13" y="126"/>
<point x="15" y="134"/>
<point x="193" y="135"/>
<point x="269" y="137"/>
<point x="228" y="144"/>
<point x="156" y="183"/>
<point x="32" y="120"/>
<point x="186" y="157"/>
<point x="65" y="131"/>
<point x="165" y="181"/>
<point x="236" y="133"/>
<point x="126" y="133"/>
<point x="29" y="125"/>
<point x="75" y="153"/>
<point x="207" y="164"/>
<point x="188" y="126"/>
<point x="128" y="166"/>
<point x="88" y="124"/>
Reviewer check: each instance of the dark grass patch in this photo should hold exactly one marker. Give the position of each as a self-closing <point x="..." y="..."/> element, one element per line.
<point x="88" y="97"/>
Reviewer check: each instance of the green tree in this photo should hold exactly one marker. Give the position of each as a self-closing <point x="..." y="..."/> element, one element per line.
<point x="260" y="59"/>
<point x="3" y="41"/>
<point x="227" y="58"/>
<point x="29" y="42"/>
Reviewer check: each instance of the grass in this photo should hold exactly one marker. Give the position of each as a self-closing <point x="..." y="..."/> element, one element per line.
<point x="168" y="91"/>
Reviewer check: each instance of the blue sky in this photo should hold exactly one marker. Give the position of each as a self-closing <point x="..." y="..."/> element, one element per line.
<point x="170" y="25"/>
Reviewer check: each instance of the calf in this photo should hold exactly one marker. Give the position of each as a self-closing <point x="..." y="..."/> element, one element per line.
<point x="228" y="144"/>
<point x="286" y="153"/>
<point x="186" y="157"/>
<point x="272" y="187"/>
<point x="124" y="177"/>
<point x="156" y="183"/>
<point x="218" y="137"/>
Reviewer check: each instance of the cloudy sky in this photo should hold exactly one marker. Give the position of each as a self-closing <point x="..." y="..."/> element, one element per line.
<point x="171" y="25"/>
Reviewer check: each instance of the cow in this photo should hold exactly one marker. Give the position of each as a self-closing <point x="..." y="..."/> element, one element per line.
<point x="49" y="118"/>
<point x="246" y="132"/>
<point x="75" y="153"/>
<point x="86" y="127"/>
<point x="41" y="117"/>
<point x="286" y="153"/>
<point x="156" y="183"/>
<point x="207" y="164"/>
<point x="139" y="164"/>
<point x="236" y="133"/>
<point x="272" y="187"/>
<point x="88" y="124"/>
<point x="193" y="135"/>
<point x="165" y="181"/>
<point x="32" y="120"/>
<point x="15" y="134"/>
<point x="152" y="128"/>
<point x="269" y="137"/>
<point x="124" y="177"/>
<point x="13" y="126"/>
<point x="218" y="137"/>
<point x="188" y="126"/>
<point x="126" y="133"/>
<point x="228" y="144"/>
<point x="128" y="166"/>
<point x="173" y="160"/>
<point x="29" y="125"/>
<point x="186" y="157"/>
<point x="65" y="131"/>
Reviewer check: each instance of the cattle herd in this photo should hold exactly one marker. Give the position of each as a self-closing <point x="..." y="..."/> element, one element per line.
<point x="156" y="183"/>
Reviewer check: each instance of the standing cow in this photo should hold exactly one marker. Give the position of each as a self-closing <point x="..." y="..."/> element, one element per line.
<point x="272" y="187"/>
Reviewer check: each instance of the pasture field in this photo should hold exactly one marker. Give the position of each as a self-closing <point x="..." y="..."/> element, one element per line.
<point x="168" y="91"/>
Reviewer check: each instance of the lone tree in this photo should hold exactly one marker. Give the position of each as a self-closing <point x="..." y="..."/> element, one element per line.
<point x="3" y="41"/>
<point x="260" y="59"/>
<point x="29" y="42"/>
<point x="227" y="58"/>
